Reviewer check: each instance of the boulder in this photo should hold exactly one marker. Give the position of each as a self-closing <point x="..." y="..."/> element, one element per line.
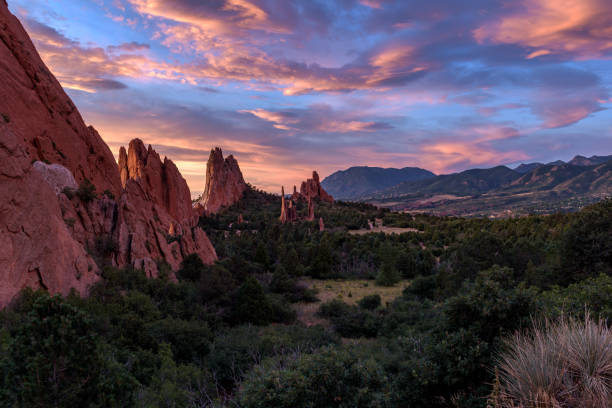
<point x="56" y="175"/>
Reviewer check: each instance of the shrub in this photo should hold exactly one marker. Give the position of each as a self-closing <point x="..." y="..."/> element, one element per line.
<point x="563" y="364"/>
<point x="330" y="378"/>
<point x="350" y="321"/>
<point x="388" y="275"/>
<point x="370" y="302"/>
<point x="56" y="358"/>
<point x="69" y="192"/>
<point x="86" y="191"/>
<point x="423" y="286"/>
<point x="191" y="268"/>
<point x="251" y="304"/>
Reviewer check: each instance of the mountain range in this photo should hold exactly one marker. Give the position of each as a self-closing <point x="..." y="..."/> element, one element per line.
<point x="531" y="187"/>
<point x="359" y="181"/>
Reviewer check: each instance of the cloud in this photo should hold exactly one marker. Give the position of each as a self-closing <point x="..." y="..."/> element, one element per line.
<point x="563" y="96"/>
<point x="569" y="28"/>
<point x="319" y="118"/>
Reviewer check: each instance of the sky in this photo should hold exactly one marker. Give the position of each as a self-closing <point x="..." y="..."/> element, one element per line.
<point x="289" y="86"/>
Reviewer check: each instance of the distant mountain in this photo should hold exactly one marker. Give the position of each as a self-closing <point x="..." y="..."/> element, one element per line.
<point x="589" y="161"/>
<point x="503" y="192"/>
<point x="576" y="161"/>
<point x="359" y="181"/>
<point x="545" y="177"/>
<point x="469" y="182"/>
<point x="526" y="168"/>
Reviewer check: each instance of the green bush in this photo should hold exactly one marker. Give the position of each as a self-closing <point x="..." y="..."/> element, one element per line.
<point x="329" y="378"/>
<point x="370" y="302"/>
<point x="251" y="305"/>
<point x="86" y="191"/>
<point x="55" y="358"/>
<point x="191" y="269"/>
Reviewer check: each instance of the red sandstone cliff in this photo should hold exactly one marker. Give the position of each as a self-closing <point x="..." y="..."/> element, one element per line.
<point x="47" y="231"/>
<point x="224" y="183"/>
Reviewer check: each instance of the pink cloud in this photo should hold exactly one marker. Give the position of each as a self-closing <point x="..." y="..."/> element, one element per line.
<point x="580" y="28"/>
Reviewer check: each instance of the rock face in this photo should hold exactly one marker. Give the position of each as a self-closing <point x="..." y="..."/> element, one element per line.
<point x="224" y="183"/>
<point x="140" y="212"/>
<point x="39" y="111"/>
<point x="311" y="188"/>
<point x="288" y="209"/>
<point x="161" y="181"/>
<point x="36" y="248"/>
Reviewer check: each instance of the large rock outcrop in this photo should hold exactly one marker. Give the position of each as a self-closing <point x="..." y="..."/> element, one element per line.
<point x="162" y="181"/>
<point x="224" y="183"/>
<point x="50" y="232"/>
<point x="311" y="189"/>
<point x="43" y="116"/>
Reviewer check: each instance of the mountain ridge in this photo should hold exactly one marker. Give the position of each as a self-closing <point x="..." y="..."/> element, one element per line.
<point x="359" y="180"/>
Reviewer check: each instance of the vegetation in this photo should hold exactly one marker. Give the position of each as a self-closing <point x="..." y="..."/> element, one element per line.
<point x="228" y="335"/>
<point x="562" y="364"/>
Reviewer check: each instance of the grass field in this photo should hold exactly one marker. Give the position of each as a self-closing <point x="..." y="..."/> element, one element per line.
<point x="349" y="291"/>
<point x="386" y="230"/>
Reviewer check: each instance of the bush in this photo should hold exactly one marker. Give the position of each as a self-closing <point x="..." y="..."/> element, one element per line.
<point x="191" y="268"/>
<point x="370" y="302"/>
<point x="350" y="321"/>
<point x="251" y="304"/>
<point x="388" y="275"/>
<point x="564" y="364"/>
<point x="423" y="287"/>
<point x="330" y="378"/>
<point x="86" y="191"/>
<point x="56" y="360"/>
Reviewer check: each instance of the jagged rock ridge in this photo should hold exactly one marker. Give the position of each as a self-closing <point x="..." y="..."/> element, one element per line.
<point x="50" y="232"/>
<point x="311" y="188"/>
<point x="224" y="183"/>
<point x="310" y="191"/>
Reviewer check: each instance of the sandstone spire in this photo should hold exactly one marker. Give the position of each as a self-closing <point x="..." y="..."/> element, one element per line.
<point x="224" y="182"/>
<point x="283" y="216"/>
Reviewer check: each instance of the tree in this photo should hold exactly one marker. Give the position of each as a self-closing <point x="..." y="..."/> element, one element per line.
<point x="56" y="360"/>
<point x="251" y="304"/>
<point x="388" y="274"/>
<point x="191" y="268"/>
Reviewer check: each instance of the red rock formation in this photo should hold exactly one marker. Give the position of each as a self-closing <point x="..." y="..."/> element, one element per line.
<point x="295" y="196"/>
<point x="46" y="235"/>
<point x="36" y="248"/>
<point x="224" y="183"/>
<point x="311" y="188"/>
<point x="43" y="116"/>
<point x="321" y="224"/>
<point x="161" y="181"/>
<point x="288" y="210"/>
<point x="311" y="208"/>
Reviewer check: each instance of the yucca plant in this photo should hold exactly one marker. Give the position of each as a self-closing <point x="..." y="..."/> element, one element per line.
<point x="560" y="364"/>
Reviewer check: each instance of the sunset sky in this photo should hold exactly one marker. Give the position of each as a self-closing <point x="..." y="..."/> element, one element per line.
<point x="289" y="86"/>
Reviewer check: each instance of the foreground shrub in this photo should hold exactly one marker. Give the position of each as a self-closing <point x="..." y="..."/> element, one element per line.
<point x="330" y="378"/>
<point x="564" y="364"/>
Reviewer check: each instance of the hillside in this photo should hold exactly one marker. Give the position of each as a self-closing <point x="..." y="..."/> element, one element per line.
<point x="546" y="189"/>
<point x="469" y="182"/>
<point x="358" y="181"/>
